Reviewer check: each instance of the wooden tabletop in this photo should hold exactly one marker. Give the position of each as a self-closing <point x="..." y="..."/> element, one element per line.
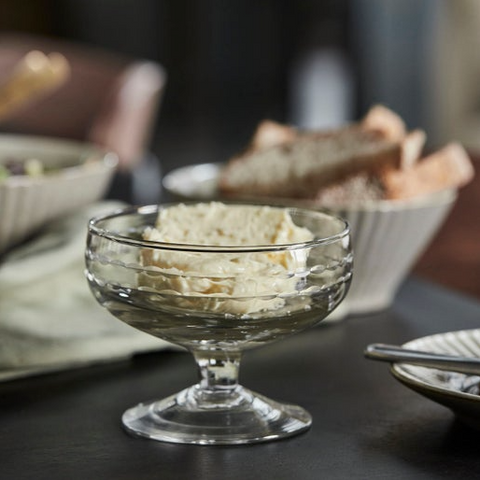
<point x="453" y="258"/>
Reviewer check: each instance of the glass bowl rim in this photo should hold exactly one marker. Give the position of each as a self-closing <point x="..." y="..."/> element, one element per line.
<point x="95" y="229"/>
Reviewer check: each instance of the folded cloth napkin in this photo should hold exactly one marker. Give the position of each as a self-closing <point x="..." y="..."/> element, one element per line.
<point x="49" y="319"/>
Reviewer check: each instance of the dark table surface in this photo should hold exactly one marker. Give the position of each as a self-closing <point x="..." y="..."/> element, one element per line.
<point x="366" y="425"/>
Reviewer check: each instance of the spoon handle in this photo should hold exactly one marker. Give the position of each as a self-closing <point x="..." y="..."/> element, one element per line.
<point x="394" y="353"/>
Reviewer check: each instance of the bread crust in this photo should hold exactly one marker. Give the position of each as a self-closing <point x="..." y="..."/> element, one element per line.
<point x="447" y="168"/>
<point x="270" y="133"/>
<point x="381" y="119"/>
<point x="412" y="145"/>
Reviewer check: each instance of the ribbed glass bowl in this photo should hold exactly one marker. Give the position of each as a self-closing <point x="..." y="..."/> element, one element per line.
<point x="250" y="301"/>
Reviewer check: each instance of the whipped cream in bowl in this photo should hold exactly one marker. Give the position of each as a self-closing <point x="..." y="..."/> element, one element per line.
<point x="217" y="279"/>
<point x="242" y="282"/>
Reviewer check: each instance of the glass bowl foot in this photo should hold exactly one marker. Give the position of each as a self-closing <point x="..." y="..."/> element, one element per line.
<point x="197" y="417"/>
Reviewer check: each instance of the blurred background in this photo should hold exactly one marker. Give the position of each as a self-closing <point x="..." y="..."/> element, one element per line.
<point x="314" y="64"/>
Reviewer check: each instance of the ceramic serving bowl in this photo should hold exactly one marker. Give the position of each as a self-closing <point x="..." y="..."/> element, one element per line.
<point x="388" y="236"/>
<point x="75" y="174"/>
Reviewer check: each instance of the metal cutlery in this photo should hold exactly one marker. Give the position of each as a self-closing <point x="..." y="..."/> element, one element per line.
<point x="440" y="361"/>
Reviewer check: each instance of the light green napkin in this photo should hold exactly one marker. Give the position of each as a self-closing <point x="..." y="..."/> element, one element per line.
<point x="49" y="319"/>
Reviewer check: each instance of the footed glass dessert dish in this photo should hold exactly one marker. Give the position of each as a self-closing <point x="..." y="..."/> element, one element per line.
<point x="258" y="274"/>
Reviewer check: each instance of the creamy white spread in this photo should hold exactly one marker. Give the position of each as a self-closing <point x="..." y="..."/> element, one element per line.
<point x="233" y="282"/>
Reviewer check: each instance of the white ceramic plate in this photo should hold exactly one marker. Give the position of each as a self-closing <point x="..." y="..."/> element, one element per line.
<point x="459" y="392"/>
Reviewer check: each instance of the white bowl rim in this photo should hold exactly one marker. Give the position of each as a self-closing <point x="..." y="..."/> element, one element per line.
<point x="95" y="157"/>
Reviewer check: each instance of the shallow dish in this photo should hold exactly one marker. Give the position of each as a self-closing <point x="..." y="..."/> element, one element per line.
<point x="453" y="390"/>
<point x="78" y="174"/>
<point x="388" y="236"/>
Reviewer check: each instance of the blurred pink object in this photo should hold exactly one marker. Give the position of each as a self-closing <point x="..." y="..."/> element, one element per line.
<point x="109" y="100"/>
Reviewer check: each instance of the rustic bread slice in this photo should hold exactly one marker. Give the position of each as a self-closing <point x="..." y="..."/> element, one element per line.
<point x="283" y="161"/>
<point x="379" y="119"/>
<point x="270" y="133"/>
<point x="448" y="168"/>
<point x="376" y="159"/>
<point x="356" y="189"/>
<point x="412" y="146"/>
<point x="299" y="167"/>
<point x="382" y="119"/>
<point x="366" y="187"/>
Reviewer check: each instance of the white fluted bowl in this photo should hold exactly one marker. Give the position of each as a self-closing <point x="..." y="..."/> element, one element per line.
<point x="82" y="175"/>
<point x="388" y="236"/>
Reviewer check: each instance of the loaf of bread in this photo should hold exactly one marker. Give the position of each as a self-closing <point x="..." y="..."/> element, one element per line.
<point x="375" y="159"/>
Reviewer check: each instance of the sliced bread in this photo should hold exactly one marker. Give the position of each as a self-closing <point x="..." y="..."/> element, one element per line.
<point x="376" y="159"/>
<point x="449" y="167"/>
<point x="270" y="133"/>
<point x="381" y="119"/>
<point x="300" y="166"/>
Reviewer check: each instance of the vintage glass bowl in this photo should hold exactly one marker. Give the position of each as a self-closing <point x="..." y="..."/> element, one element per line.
<point x="268" y="303"/>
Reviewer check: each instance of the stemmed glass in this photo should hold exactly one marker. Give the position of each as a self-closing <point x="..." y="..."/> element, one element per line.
<point x="265" y="303"/>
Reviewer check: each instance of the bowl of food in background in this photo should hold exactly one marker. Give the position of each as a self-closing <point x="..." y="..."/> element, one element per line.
<point x="42" y="179"/>
<point x="374" y="173"/>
